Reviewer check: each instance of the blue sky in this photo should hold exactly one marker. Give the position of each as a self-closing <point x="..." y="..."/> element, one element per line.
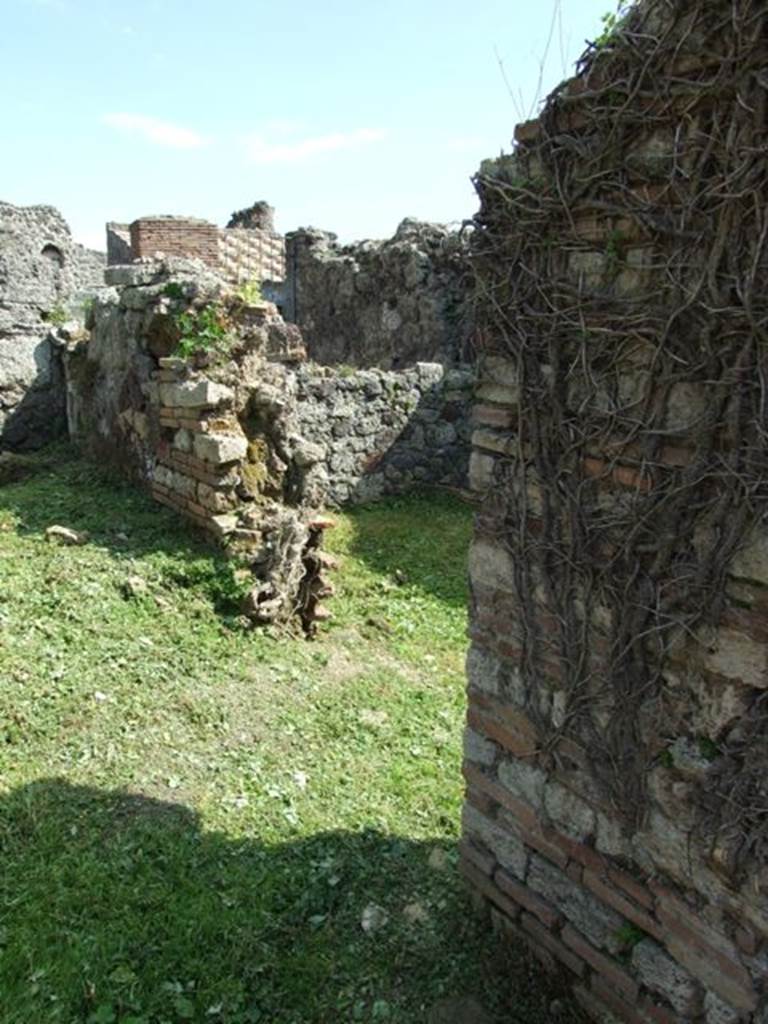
<point x="344" y="114"/>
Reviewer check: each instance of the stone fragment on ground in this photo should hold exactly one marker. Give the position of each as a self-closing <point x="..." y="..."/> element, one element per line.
<point x="64" y="535"/>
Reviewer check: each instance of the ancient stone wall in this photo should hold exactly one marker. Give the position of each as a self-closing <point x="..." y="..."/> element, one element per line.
<point x="617" y="729"/>
<point x="118" y="243"/>
<point x="364" y="433"/>
<point x="249" y="442"/>
<point x="44" y="277"/>
<point x="384" y="432"/>
<point x="212" y="438"/>
<point x="388" y="304"/>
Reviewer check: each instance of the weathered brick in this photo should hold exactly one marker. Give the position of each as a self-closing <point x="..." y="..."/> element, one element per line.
<point x="545" y="938"/>
<point x="504" y="843"/>
<point x="477" y="855"/>
<point x="493" y="415"/>
<point x="527" y="899"/>
<point x="608" y="968"/>
<point x="480" y="801"/>
<point x="528" y="131"/>
<point x="513" y="721"/>
<point x="585" y="854"/>
<point x="658" y="1014"/>
<point x="639" y="892"/>
<point x="595" y="920"/>
<point x="607" y="894"/>
<point x="574" y="872"/>
<point x="730" y="981"/>
<point x="746" y="940"/>
<point x="484" y="885"/>
<point x="611" y="998"/>
<point x="506" y="737"/>
<point x="590" y="1004"/>
<point x="541" y="839"/>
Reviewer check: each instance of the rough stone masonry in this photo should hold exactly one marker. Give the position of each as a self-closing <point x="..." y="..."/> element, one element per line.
<point x="616" y="814"/>
<point x="44" y="277"/>
<point x="250" y="441"/>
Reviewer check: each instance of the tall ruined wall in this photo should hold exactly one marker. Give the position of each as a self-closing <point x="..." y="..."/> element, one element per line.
<point x="388" y="304"/>
<point x="617" y="729"/>
<point x="44" y="276"/>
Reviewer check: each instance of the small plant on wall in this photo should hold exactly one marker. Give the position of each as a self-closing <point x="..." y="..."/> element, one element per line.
<point x="249" y="292"/>
<point x="205" y="331"/>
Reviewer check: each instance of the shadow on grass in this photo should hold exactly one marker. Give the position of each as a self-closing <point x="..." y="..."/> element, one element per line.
<point x="420" y="539"/>
<point x="58" y="486"/>
<point x="119" y="909"/>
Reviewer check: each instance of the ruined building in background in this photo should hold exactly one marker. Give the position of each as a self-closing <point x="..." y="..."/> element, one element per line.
<point x="248" y="440"/>
<point x="390" y="303"/>
<point x="183" y="376"/>
<point x="45" y="278"/>
<point x="247" y="249"/>
<point x="617" y="735"/>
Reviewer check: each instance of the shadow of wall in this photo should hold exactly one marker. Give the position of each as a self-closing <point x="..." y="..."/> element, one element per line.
<point x="122" y="907"/>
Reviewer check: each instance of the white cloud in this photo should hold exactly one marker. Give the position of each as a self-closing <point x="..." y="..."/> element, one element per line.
<point x="161" y="133"/>
<point x="260" y="151"/>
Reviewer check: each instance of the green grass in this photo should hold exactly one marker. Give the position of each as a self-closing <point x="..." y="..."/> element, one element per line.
<point x="194" y="816"/>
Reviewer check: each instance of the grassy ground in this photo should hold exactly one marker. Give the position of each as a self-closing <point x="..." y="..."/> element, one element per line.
<point x="196" y="820"/>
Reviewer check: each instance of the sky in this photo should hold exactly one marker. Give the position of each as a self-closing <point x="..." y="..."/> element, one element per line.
<point x="346" y="115"/>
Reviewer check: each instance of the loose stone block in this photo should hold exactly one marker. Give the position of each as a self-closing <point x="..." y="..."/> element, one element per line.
<point x="220" y="449"/>
<point x="201" y="393"/>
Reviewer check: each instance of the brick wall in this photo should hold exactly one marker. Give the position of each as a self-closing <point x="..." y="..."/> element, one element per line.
<point x="238" y="254"/>
<point x="617" y="675"/>
<point x="175" y="236"/>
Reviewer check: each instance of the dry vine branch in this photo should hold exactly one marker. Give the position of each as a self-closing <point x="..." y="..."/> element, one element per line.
<point x="621" y="256"/>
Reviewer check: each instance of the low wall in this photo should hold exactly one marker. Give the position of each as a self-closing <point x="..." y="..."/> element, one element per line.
<point x="615" y="751"/>
<point x="388" y="304"/>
